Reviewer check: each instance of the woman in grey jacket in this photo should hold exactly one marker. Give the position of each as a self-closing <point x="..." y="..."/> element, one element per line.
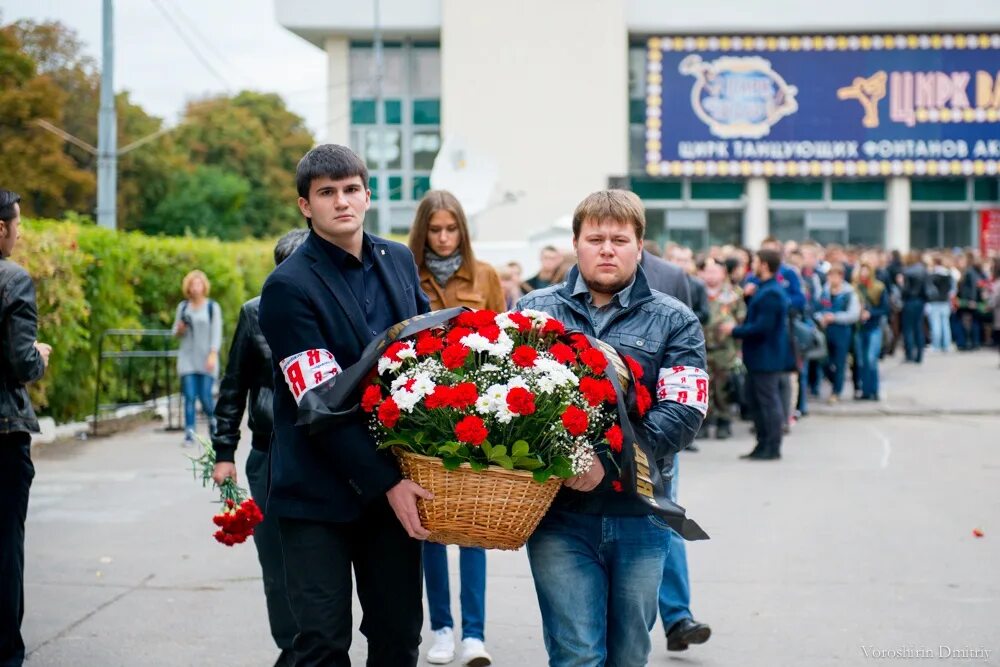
<point x="198" y="323"/>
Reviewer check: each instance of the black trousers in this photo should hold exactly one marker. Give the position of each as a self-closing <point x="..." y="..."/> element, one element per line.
<point x="272" y="563"/>
<point x="16" y="473"/>
<point x="768" y="412"/>
<point x="386" y="561"/>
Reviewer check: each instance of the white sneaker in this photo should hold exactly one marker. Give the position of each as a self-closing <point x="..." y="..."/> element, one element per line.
<point x="443" y="650"/>
<point x="474" y="653"/>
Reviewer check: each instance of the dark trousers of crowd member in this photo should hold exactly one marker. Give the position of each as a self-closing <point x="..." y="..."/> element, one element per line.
<point x="972" y="328"/>
<point x="913" y="329"/>
<point x="272" y="564"/>
<point x="839" y="339"/>
<point x="768" y="413"/>
<point x="386" y="562"/>
<point x="16" y="473"/>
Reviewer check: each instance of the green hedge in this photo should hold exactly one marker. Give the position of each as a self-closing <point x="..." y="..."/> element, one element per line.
<point x="91" y="279"/>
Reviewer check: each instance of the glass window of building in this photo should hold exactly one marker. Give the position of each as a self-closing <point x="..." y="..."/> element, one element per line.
<point x="828" y="211"/>
<point x="944" y="211"/>
<point x="411" y="137"/>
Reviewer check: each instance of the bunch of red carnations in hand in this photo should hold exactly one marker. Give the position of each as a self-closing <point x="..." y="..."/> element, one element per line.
<point x="511" y="389"/>
<point x="237" y="521"/>
<point x="240" y="514"/>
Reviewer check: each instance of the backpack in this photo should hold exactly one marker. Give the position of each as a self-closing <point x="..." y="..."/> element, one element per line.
<point x="184" y="308"/>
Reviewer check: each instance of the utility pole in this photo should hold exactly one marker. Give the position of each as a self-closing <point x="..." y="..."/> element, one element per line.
<point x="382" y="203"/>
<point x="107" y="128"/>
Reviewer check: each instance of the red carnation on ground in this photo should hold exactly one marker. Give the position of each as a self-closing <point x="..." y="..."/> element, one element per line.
<point x="471" y="430"/>
<point x="428" y="344"/>
<point x="456" y="335"/>
<point x="575" y="420"/>
<point x="579" y="342"/>
<point x="393" y="350"/>
<point x="643" y="401"/>
<point x="520" y="401"/>
<point x="563" y="353"/>
<point x="634" y="366"/>
<point x="524" y="356"/>
<point x="371" y="398"/>
<point x="454" y="356"/>
<point x="594" y="360"/>
<point x="463" y="395"/>
<point x="490" y="332"/>
<point x="439" y="398"/>
<point x="615" y="438"/>
<point x="523" y="322"/>
<point x="553" y="326"/>
<point x="388" y="413"/>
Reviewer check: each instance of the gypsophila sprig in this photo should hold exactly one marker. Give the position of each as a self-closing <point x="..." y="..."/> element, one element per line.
<point x="509" y="389"/>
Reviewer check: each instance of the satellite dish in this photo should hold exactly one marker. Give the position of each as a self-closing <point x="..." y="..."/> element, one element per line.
<point x="468" y="175"/>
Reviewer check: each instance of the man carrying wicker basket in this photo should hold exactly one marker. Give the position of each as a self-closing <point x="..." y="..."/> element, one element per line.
<point x="597" y="556"/>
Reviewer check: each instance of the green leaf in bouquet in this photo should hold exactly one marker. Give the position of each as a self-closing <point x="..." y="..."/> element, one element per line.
<point x="528" y="463"/>
<point x="520" y="448"/>
<point x="463" y="453"/>
<point x="451" y="462"/>
<point x="487" y="449"/>
<point x="448" y="448"/>
<point x="504" y="461"/>
<point x="478" y="466"/>
<point x="542" y="475"/>
<point x="396" y="442"/>
<point x="419" y="438"/>
<point x="497" y="452"/>
<point x="431" y="450"/>
<point x="562" y="467"/>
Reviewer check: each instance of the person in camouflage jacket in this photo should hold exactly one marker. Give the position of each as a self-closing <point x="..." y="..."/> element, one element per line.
<point x="726" y="306"/>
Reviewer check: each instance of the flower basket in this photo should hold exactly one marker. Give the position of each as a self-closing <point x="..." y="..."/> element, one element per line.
<point x="493" y="509"/>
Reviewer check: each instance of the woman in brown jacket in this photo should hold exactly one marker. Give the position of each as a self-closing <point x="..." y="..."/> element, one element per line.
<point x="451" y="276"/>
<point x="442" y="249"/>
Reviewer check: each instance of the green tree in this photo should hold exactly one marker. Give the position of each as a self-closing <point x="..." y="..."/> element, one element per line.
<point x="208" y="201"/>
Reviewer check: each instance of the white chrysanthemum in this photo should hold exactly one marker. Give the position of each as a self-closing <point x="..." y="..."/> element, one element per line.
<point x="517" y="381"/>
<point x="504" y="415"/>
<point x="385" y="364"/>
<point x="504" y="322"/>
<point x="489" y="368"/>
<point x="503" y="347"/>
<point x="408" y="352"/>
<point x="484" y="405"/>
<point x="538" y="316"/>
<point x="476" y="342"/>
<point x="406" y="400"/>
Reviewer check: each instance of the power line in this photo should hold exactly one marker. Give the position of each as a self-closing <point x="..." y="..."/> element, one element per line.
<point x="190" y="44"/>
<point x="206" y="42"/>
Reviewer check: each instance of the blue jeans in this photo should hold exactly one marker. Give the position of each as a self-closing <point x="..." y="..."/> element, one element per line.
<point x="197" y="385"/>
<point x="939" y="316"/>
<point x="838" y="340"/>
<point x="869" y="344"/>
<point x="913" y="329"/>
<point x="596" y="578"/>
<point x="472" y="570"/>
<point x="272" y="563"/>
<point x="675" y="588"/>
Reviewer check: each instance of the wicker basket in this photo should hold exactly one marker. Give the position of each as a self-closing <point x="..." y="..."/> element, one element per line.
<point x="494" y="509"/>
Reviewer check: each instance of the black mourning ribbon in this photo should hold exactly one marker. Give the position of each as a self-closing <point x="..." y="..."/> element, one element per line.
<point x="337" y="399"/>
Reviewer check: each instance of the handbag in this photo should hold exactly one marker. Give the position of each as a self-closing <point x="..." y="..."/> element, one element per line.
<point x="810" y="340"/>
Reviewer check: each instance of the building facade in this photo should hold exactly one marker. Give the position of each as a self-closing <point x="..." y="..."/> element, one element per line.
<point x="854" y="122"/>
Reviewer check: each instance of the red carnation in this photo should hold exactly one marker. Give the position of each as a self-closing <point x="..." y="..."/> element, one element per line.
<point x="393" y="350"/>
<point x="456" y="335"/>
<point x="579" y="342"/>
<point x="371" y="398"/>
<point x="524" y="356"/>
<point x="575" y="420"/>
<point x="428" y="344"/>
<point x="471" y="430"/>
<point x="563" y="353"/>
<point x="463" y="395"/>
<point x="614" y="436"/>
<point x="643" y="400"/>
<point x="523" y="322"/>
<point x="466" y="319"/>
<point x="439" y="398"/>
<point x="490" y="332"/>
<point x="617" y="486"/>
<point x="388" y="413"/>
<point x="594" y="359"/>
<point x="597" y="391"/>
<point x="553" y="326"/>
<point x="454" y="356"/>
<point x="521" y="401"/>
<point x="634" y="366"/>
<point x="484" y="318"/>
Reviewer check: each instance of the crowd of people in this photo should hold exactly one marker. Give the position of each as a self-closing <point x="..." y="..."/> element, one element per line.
<point x="765" y="327"/>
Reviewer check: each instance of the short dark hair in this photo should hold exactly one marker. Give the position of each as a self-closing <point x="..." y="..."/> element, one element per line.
<point x="288" y="244"/>
<point x="330" y="160"/>
<point x="7" y="201"/>
<point x="770" y="257"/>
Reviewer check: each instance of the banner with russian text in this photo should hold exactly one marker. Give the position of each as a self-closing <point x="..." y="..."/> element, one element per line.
<point x="989" y="232"/>
<point x="827" y="105"/>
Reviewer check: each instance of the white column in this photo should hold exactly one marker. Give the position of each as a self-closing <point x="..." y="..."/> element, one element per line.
<point x="755" y="219"/>
<point x="338" y="100"/>
<point x="897" y="215"/>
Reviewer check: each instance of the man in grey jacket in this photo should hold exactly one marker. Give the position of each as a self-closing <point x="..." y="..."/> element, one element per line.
<point x="22" y="360"/>
<point x="666" y="277"/>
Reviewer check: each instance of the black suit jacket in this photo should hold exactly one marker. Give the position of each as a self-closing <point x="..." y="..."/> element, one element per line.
<point x="315" y="328"/>
<point x="666" y="277"/>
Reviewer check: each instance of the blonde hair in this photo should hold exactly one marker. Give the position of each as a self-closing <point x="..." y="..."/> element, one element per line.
<point x="191" y="277"/>
<point x="622" y="206"/>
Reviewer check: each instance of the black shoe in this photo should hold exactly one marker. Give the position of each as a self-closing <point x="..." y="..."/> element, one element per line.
<point x="723" y="431"/>
<point x="760" y="456"/>
<point x="685" y="632"/>
<point x="752" y="455"/>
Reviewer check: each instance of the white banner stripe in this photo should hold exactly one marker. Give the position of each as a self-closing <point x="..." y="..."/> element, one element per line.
<point x="686" y="385"/>
<point x="307" y="370"/>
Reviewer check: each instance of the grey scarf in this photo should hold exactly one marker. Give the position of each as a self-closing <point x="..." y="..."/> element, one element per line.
<point x="442" y="268"/>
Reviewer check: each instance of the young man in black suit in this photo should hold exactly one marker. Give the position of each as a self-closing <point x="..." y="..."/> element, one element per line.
<point x="340" y="504"/>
